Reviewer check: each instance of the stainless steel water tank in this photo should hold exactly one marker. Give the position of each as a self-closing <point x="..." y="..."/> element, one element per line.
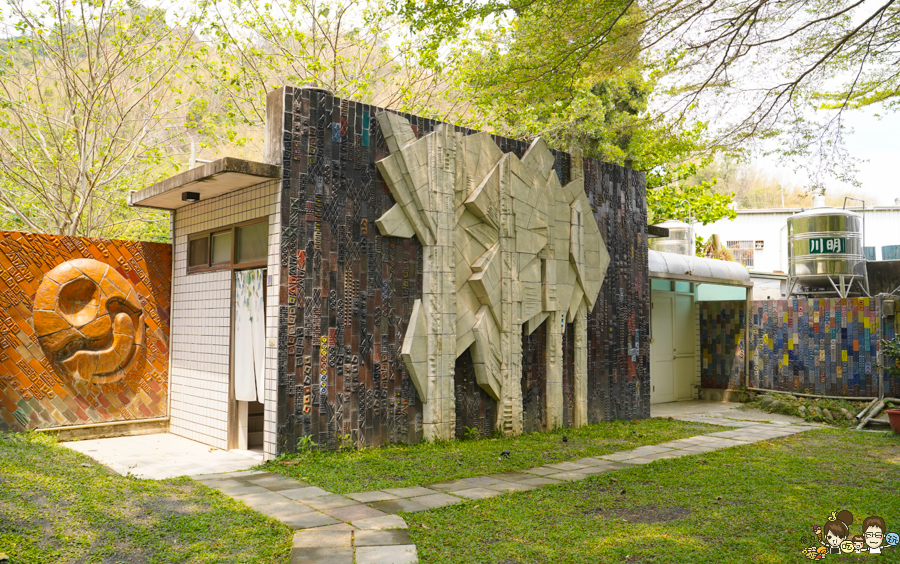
<point x="680" y="240"/>
<point x="825" y="242"/>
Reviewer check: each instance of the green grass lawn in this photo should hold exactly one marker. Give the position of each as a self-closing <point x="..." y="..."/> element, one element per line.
<point x="57" y="505"/>
<point x="415" y="465"/>
<point x="753" y="503"/>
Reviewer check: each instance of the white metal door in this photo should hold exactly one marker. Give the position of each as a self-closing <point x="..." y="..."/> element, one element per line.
<point x="662" y="346"/>
<point x="683" y="328"/>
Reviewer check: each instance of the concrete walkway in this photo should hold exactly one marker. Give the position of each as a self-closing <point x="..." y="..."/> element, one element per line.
<point x="364" y="528"/>
<point x="163" y="455"/>
<point x="720" y="410"/>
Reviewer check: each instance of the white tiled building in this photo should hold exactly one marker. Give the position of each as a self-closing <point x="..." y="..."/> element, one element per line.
<point x="230" y="195"/>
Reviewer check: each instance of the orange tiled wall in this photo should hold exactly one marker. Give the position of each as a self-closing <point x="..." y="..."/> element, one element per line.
<point x="36" y="393"/>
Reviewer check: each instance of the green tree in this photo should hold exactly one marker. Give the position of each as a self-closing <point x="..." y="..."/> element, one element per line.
<point x="694" y="202"/>
<point x="757" y="69"/>
<point x="601" y="101"/>
<point x="354" y="48"/>
<point x="92" y="104"/>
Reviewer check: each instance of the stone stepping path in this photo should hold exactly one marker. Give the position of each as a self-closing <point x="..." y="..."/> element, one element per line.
<point x="364" y="528"/>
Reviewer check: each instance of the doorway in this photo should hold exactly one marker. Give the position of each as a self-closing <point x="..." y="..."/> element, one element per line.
<point x="672" y="341"/>
<point x="248" y="359"/>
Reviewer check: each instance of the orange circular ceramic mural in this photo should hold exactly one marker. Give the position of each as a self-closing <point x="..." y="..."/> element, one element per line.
<point x="88" y="320"/>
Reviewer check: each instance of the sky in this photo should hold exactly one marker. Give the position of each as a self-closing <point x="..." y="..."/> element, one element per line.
<point x="874" y="140"/>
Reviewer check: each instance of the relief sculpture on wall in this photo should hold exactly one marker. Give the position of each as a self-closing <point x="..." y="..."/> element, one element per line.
<point x="88" y="321"/>
<point x="505" y="246"/>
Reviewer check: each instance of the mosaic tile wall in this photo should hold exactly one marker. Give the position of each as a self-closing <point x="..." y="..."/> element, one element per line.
<point x="619" y="327"/>
<point x="474" y="407"/>
<point x="347" y="292"/>
<point x="722" y="344"/>
<point x="820" y="346"/>
<point x="534" y="379"/>
<point x="36" y="393"/>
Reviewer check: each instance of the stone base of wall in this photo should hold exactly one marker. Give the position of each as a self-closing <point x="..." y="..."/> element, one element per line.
<point x="105" y="431"/>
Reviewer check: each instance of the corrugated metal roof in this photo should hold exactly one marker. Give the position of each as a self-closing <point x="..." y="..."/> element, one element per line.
<point x="670" y="266"/>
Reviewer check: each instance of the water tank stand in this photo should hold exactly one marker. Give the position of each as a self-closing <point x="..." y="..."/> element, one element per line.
<point x="842" y="284"/>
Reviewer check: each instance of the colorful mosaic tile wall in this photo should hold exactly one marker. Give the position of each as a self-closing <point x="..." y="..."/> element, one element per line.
<point x="347" y="292"/>
<point x="819" y="346"/>
<point x="722" y="344"/>
<point x="63" y="360"/>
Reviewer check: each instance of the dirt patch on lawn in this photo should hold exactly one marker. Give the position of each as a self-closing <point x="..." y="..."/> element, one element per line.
<point x="645" y="514"/>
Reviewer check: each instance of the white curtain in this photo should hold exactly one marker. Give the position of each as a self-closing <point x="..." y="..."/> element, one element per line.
<point x="249" y="335"/>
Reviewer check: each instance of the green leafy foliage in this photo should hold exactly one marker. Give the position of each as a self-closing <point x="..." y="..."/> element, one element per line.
<point x="356" y="49"/>
<point x="681" y="201"/>
<point x="890" y="351"/>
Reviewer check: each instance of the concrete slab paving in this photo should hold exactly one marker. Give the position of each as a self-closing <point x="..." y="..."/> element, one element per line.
<point x="651" y="449"/>
<point x="540" y="481"/>
<point x="639" y="460"/>
<point x="409" y="492"/>
<point x="510" y="487"/>
<point x="276" y="483"/>
<point x="541" y="471"/>
<point x="329" y="502"/>
<point x="283" y="510"/>
<point x="568" y="476"/>
<point x="700" y="449"/>
<point x="567" y="466"/>
<point x="436" y="500"/>
<point x="163" y="455"/>
<point x="449" y="486"/>
<point x="381" y="523"/>
<point x="476" y="493"/>
<point x="313" y="538"/>
<point x="400" y="554"/>
<point x="481" y="481"/>
<point x="336" y="527"/>
<point x="309" y="520"/>
<point x="239" y="491"/>
<point x="592" y="470"/>
<point x="343" y="555"/>
<point x="368" y="497"/>
<point x="381" y="538"/>
<point x="351" y="513"/>
<point x="621" y="456"/>
<point x="590" y="461"/>
<point x="511" y="476"/>
<point x="259" y="499"/>
<point x="397" y="505"/>
<point x="304" y="494"/>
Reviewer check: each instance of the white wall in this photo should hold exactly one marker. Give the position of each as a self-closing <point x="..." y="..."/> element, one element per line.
<point x="770" y="226"/>
<point x="200" y="355"/>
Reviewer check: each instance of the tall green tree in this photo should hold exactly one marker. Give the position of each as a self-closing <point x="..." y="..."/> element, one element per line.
<point x="92" y="104"/>
<point x="524" y="83"/>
